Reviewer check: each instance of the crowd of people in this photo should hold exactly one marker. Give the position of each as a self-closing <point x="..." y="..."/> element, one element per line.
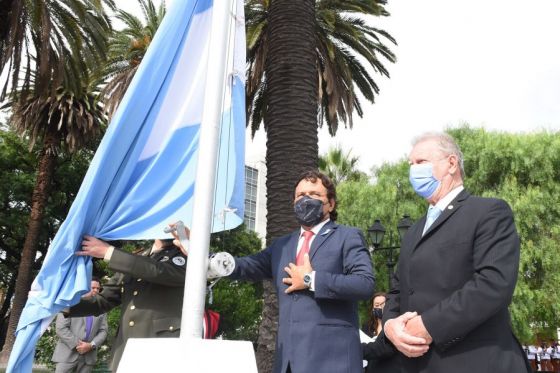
<point x="447" y="309"/>
<point x="544" y="357"/>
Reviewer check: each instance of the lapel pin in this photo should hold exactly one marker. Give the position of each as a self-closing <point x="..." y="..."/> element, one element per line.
<point x="326" y="232"/>
<point x="450" y="207"/>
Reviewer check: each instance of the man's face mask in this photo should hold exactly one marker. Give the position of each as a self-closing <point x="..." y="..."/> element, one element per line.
<point x="309" y="211"/>
<point x="422" y="179"/>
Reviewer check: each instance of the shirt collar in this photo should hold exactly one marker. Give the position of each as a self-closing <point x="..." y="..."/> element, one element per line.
<point x="442" y="203"/>
<point x="316" y="228"/>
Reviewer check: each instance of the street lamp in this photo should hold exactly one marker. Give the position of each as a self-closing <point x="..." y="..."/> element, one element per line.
<point x="376" y="234"/>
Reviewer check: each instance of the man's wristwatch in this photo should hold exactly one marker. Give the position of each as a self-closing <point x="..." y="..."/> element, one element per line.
<point x="307" y="280"/>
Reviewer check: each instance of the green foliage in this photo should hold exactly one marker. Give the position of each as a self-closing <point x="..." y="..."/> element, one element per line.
<point x="18" y="165"/>
<point x="50" y="41"/>
<point x="127" y="48"/>
<point x="45" y="347"/>
<point x="239" y="303"/>
<point x="388" y="199"/>
<point x="340" y="166"/>
<point x="522" y="169"/>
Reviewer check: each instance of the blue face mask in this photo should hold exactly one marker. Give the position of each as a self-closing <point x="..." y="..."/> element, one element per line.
<point x="422" y="179"/>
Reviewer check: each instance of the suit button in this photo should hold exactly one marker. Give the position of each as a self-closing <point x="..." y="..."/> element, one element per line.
<point x="171" y="328"/>
<point x="411" y="291"/>
<point x="135" y="292"/>
<point x="131" y="323"/>
<point x="296" y="297"/>
<point x="139" y="279"/>
<point x="132" y="307"/>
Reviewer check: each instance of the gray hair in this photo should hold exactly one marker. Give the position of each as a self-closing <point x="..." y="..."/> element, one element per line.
<point x="446" y="144"/>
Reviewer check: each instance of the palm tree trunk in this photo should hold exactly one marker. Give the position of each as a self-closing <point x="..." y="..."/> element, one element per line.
<point x="39" y="198"/>
<point x="5" y="307"/>
<point x="292" y="141"/>
<point x="5" y="10"/>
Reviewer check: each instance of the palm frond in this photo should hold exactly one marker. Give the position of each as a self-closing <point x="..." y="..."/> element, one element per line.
<point x="349" y="52"/>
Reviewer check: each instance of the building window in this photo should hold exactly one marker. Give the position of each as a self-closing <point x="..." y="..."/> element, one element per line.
<point x="251" y="179"/>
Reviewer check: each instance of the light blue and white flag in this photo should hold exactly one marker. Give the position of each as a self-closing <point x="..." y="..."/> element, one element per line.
<point x="142" y="176"/>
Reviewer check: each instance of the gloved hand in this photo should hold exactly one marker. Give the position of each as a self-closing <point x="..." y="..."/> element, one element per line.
<point x="220" y="265"/>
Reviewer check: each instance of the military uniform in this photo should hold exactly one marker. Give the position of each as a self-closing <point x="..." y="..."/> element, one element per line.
<point x="150" y="292"/>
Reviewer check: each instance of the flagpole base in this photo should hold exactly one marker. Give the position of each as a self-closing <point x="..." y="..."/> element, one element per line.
<point x="174" y="355"/>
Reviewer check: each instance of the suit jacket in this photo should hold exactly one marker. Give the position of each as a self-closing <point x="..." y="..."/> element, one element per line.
<point x="381" y="356"/>
<point x="70" y="330"/>
<point x="317" y="330"/>
<point x="150" y="293"/>
<point x="460" y="277"/>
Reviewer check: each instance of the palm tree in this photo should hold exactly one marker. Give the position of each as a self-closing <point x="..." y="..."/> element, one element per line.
<point x="36" y="37"/>
<point x="291" y="123"/>
<point x="46" y="48"/>
<point x="341" y="34"/>
<point x="340" y="166"/>
<point x="127" y="48"/>
<point x="63" y="121"/>
<point x="303" y="71"/>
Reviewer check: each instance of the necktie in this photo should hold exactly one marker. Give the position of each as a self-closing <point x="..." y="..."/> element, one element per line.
<point x="433" y="213"/>
<point x="305" y="247"/>
<point x="89" y="323"/>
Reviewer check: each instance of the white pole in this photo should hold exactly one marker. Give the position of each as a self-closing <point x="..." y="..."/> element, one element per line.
<point x="197" y="264"/>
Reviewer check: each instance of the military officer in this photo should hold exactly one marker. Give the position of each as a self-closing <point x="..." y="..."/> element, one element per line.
<point x="149" y="289"/>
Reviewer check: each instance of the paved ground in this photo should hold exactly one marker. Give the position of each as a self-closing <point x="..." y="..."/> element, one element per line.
<point x="36" y="368"/>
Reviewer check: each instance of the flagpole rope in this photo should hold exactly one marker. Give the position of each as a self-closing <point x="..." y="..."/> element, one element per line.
<point x="230" y="81"/>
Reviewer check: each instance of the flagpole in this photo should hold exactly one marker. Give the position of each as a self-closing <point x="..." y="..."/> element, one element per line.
<point x="197" y="264"/>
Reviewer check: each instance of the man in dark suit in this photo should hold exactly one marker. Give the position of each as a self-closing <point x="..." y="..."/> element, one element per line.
<point x="448" y="307"/>
<point x="320" y="272"/>
<point x="148" y="288"/>
<point x="79" y="338"/>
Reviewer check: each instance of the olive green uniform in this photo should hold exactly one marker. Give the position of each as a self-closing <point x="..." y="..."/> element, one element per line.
<point x="150" y="292"/>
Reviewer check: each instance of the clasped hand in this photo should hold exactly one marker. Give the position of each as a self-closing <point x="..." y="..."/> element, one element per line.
<point x="83" y="347"/>
<point x="408" y="334"/>
<point x="296" y="274"/>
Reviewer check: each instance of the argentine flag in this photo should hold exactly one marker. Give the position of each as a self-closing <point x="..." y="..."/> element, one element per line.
<point x="142" y="176"/>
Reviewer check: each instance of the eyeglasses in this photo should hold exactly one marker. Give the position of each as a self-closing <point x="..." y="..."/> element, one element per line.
<point x="378" y="305"/>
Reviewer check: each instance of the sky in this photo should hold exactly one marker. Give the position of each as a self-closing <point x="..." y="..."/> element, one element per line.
<point x="491" y="64"/>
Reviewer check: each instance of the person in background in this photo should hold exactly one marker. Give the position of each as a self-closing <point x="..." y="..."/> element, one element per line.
<point x="374" y="324"/>
<point x="380" y="357"/>
<point x="148" y="287"/>
<point x="79" y="338"/>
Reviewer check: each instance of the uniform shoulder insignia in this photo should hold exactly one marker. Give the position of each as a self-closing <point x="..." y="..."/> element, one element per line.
<point x="179" y="260"/>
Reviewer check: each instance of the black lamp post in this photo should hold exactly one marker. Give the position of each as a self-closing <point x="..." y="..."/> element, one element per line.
<point x="376" y="234"/>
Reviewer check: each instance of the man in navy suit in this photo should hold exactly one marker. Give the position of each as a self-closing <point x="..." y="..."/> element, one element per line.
<point x="320" y="272"/>
<point x="448" y="307"/>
